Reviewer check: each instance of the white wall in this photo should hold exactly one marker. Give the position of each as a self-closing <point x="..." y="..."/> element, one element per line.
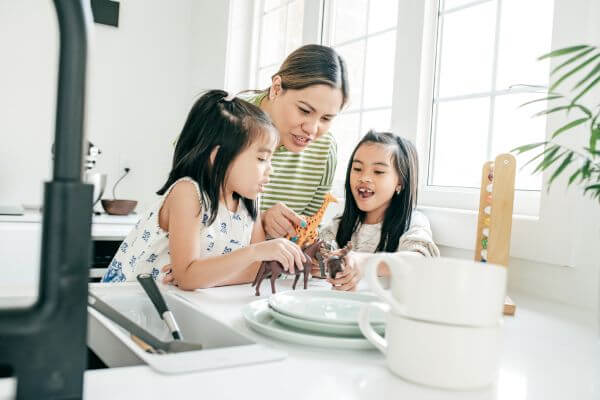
<point x="144" y="76"/>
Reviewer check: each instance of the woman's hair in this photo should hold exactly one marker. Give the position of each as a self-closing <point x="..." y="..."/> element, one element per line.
<point x="397" y="216"/>
<point x="314" y="64"/>
<point x="216" y="120"/>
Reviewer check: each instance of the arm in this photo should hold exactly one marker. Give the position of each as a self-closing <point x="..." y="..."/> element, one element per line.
<point x="192" y="272"/>
<point x="418" y="238"/>
<point x="416" y="241"/>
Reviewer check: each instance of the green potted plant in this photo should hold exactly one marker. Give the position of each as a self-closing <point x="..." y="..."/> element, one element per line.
<point x="582" y="68"/>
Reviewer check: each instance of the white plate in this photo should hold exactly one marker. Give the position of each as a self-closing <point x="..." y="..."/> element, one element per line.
<point x="259" y="318"/>
<point x="325" y="306"/>
<point x="322" y="327"/>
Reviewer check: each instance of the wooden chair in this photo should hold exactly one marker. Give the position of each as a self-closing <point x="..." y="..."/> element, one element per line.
<point x="494" y="222"/>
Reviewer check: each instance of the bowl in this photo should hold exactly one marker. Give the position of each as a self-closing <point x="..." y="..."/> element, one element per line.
<point x="118" y="207"/>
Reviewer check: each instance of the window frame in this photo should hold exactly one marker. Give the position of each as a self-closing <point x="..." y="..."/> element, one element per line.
<point x="453" y="211"/>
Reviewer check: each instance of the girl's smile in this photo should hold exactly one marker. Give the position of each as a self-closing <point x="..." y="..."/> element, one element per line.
<point x="373" y="180"/>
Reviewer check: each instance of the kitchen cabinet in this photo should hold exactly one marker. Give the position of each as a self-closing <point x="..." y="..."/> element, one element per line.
<point x="21" y="237"/>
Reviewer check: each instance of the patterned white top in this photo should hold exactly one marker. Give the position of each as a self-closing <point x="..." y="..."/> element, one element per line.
<point x="146" y="247"/>
<point x="418" y="238"/>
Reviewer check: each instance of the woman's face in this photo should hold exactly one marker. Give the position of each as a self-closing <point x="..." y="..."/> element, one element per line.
<point x="301" y="116"/>
<point x="373" y="180"/>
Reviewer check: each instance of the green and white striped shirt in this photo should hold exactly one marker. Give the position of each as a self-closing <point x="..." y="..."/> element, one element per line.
<point x="300" y="180"/>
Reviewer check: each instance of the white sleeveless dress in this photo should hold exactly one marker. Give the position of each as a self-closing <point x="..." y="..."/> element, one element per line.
<point x="146" y="247"/>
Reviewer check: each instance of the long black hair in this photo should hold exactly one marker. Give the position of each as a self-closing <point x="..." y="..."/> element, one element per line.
<point x="397" y="216"/>
<point x="216" y="120"/>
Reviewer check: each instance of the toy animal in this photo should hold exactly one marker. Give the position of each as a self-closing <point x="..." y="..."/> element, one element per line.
<point x="274" y="269"/>
<point x="309" y="233"/>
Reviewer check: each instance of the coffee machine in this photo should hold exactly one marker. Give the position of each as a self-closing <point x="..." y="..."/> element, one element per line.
<point x="97" y="179"/>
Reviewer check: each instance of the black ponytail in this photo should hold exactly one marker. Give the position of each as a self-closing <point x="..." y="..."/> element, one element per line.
<point x="215" y="119"/>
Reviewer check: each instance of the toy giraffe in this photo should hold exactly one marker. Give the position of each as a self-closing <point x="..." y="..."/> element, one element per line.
<point x="308" y="234"/>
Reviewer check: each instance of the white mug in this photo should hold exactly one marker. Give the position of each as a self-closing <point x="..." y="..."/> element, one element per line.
<point x="439" y="355"/>
<point x="446" y="290"/>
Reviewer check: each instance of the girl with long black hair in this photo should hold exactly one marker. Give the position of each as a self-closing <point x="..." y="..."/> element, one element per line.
<point x="379" y="213"/>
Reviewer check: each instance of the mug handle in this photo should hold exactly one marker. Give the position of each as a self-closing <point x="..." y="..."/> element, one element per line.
<point x="373" y="280"/>
<point x="367" y="330"/>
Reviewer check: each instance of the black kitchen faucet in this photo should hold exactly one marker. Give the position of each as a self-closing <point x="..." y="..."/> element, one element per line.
<point x="45" y="344"/>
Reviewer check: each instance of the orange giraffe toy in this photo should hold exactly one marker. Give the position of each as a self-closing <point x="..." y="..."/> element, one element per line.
<point x="308" y="234"/>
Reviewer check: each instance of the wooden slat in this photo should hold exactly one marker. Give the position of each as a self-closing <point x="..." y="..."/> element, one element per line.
<point x="503" y="195"/>
<point x="499" y="221"/>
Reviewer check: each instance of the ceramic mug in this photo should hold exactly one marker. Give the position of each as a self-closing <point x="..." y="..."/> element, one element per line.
<point x="433" y="354"/>
<point x="446" y="290"/>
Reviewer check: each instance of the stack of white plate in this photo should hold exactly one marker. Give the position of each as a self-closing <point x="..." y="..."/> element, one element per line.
<point x="314" y="317"/>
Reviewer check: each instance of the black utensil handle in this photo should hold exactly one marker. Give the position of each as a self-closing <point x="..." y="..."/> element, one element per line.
<point x="124" y="322"/>
<point x="151" y="289"/>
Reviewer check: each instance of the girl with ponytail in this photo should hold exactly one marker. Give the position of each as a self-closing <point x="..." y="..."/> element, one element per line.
<point x="205" y="225"/>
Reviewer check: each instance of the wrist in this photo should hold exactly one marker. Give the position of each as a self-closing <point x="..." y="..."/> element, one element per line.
<point x="252" y="253"/>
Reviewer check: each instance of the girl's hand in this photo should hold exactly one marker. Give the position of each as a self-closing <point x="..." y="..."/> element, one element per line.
<point x="288" y="254"/>
<point x="168" y="278"/>
<point x="279" y="221"/>
<point x="349" y="277"/>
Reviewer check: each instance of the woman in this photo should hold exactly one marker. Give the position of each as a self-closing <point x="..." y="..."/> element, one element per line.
<point x="306" y="94"/>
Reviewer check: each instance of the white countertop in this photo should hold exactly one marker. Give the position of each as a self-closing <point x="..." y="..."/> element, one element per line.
<point x="551" y="351"/>
<point x="104" y="226"/>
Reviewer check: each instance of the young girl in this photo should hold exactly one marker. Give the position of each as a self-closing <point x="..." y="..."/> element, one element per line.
<point x="205" y="224"/>
<point x="379" y="214"/>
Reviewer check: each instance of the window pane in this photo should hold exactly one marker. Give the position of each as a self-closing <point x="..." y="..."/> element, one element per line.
<point x="450" y="4"/>
<point x="271" y="4"/>
<point x="345" y="130"/>
<point x="383" y="14"/>
<point x="294" y="26"/>
<point x="264" y="76"/>
<point x="354" y="55"/>
<point x="350" y="20"/>
<point x="521" y="43"/>
<point x="272" y="40"/>
<point x="460" y="142"/>
<point x="379" y="70"/>
<point x="514" y="126"/>
<point x="467" y="50"/>
<point x="379" y="120"/>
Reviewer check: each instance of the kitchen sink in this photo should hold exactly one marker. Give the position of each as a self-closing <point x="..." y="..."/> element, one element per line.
<point x="222" y="346"/>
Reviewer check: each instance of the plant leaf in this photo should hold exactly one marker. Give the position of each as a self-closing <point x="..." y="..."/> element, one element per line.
<point x="573" y="71"/>
<point x="561" y="167"/>
<point x="570" y="60"/>
<point x="569" y="126"/>
<point x="563" y="51"/>
<point x="574" y="176"/>
<point x="527" y="147"/>
<point x="592" y="187"/>
<point x="587" y="88"/>
<point x="567" y="107"/>
<point x="551" y="97"/>
<point x="546" y="150"/>
<point x="593" y="72"/>
<point x="548" y="160"/>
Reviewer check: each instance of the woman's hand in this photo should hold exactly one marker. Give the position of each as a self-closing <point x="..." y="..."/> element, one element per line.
<point x="288" y="254"/>
<point x="280" y="220"/>
<point x="348" y="278"/>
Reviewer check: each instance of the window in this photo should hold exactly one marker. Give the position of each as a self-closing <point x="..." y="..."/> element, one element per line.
<point x="364" y="33"/>
<point x="281" y="21"/>
<point x="485" y="68"/>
